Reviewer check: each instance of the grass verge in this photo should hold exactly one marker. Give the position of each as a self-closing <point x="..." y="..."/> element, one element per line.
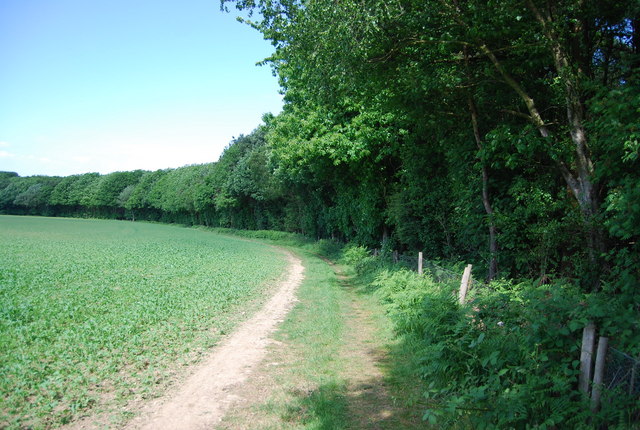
<point x="333" y="365"/>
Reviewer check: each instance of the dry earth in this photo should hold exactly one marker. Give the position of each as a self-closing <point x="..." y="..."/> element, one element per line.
<point x="200" y="401"/>
<point x="203" y="399"/>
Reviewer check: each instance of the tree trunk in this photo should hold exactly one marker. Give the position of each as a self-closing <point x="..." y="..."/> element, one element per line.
<point x="635" y="23"/>
<point x="493" y="241"/>
<point x="486" y="201"/>
<point x="580" y="181"/>
<point x="385" y="234"/>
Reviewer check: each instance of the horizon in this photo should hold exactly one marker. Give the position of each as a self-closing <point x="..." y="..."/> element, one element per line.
<point x="108" y="173"/>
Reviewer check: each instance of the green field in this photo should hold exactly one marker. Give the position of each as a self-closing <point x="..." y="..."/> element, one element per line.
<point x="99" y="312"/>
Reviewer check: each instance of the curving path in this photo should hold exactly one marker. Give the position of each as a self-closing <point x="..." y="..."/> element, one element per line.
<point x="201" y="401"/>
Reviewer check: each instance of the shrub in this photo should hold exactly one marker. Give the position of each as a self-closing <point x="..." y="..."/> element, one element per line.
<point x="358" y="257"/>
<point x="507" y="359"/>
<point x="328" y="248"/>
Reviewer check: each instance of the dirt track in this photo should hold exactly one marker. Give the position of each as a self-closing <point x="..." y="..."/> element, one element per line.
<point x="201" y="401"/>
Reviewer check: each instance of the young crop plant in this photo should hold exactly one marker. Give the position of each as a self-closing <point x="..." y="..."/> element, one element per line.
<point x="96" y="313"/>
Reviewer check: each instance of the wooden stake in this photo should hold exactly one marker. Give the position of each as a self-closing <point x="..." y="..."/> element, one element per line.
<point x="395" y="257"/>
<point x="420" y="263"/>
<point x="632" y="382"/>
<point x="598" y="374"/>
<point x="464" y="285"/>
<point x="586" y="357"/>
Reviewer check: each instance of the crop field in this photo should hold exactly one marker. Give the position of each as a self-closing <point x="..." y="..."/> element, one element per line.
<point x="102" y="312"/>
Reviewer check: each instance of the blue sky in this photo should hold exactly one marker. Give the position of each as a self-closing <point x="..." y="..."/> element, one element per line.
<point x="108" y="85"/>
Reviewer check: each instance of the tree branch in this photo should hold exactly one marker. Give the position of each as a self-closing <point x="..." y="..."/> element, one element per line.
<point x="536" y="118"/>
<point x="518" y="114"/>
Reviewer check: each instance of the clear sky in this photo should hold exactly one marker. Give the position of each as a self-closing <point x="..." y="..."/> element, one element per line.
<point x="108" y="85"/>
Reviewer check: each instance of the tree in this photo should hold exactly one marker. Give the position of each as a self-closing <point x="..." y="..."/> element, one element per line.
<point x="143" y="200"/>
<point x="509" y="65"/>
<point x="103" y="197"/>
<point x="246" y="192"/>
<point x="29" y="194"/>
<point x="36" y="198"/>
<point x="5" y="178"/>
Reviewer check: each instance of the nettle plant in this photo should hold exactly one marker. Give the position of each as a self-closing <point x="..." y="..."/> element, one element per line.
<point x="506" y="359"/>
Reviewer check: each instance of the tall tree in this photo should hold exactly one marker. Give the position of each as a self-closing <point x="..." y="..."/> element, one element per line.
<point x="531" y="64"/>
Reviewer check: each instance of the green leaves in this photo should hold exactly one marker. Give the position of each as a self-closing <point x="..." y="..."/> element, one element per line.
<point x="112" y="304"/>
<point x="477" y="341"/>
<point x="505" y="360"/>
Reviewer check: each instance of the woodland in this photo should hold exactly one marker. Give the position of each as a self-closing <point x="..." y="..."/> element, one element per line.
<point x="505" y="134"/>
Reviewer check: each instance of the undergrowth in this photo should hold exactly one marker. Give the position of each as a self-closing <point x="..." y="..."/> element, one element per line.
<point x="508" y="358"/>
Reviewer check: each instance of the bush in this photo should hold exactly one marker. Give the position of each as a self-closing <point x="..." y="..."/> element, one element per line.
<point x="357" y="257"/>
<point x="328" y="248"/>
<point x="507" y="359"/>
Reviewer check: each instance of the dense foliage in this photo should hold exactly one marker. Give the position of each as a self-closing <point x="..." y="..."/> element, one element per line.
<point x="506" y="359"/>
<point x="505" y="134"/>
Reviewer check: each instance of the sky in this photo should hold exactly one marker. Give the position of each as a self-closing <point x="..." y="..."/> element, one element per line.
<point x="115" y="85"/>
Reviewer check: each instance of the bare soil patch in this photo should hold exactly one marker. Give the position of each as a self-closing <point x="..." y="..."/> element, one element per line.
<point x="210" y="387"/>
<point x="205" y="396"/>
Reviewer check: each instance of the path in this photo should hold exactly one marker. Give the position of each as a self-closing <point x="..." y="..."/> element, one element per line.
<point x="370" y="405"/>
<point x="201" y="401"/>
<point x="287" y="392"/>
<point x="369" y="401"/>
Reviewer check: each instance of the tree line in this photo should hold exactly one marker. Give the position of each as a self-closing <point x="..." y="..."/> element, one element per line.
<point x="502" y="133"/>
<point x="196" y="194"/>
<point x="239" y="191"/>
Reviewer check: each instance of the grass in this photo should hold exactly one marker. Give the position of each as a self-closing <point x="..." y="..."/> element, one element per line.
<point x="100" y="312"/>
<point x="302" y="386"/>
<point x="321" y="374"/>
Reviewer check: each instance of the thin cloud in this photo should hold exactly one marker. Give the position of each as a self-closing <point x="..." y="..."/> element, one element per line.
<point x="39" y="159"/>
<point x="5" y="154"/>
<point x="81" y="159"/>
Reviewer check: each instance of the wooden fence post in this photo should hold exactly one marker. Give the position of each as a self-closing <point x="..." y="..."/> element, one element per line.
<point x="420" y="263"/>
<point x="634" y="371"/>
<point x="598" y="374"/>
<point x="464" y="285"/>
<point x="586" y="357"/>
<point x="395" y="257"/>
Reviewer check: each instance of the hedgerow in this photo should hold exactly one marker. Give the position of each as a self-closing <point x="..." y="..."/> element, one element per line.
<point x="507" y="358"/>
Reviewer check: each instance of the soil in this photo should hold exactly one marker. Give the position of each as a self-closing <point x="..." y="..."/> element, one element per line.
<point x="201" y="401"/>
<point x="268" y="399"/>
